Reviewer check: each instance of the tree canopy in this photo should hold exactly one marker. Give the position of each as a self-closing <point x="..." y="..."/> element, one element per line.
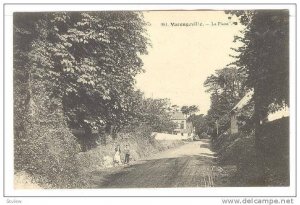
<point x="86" y="60"/>
<point x="264" y="56"/>
<point x="227" y="87"/>
<point x="189" y="110"/>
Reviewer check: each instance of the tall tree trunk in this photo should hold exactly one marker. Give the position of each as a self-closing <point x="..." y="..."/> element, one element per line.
<point x="260" y="114"/>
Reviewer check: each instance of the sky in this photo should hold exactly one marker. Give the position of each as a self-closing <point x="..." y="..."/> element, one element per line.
<point x="181" y="57"/>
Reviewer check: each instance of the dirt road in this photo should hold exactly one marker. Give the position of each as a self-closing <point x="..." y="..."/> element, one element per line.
<point x="191" y="165"/>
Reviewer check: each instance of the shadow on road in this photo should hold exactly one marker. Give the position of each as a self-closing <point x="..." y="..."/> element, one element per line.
<point x="186" y="171"/>
<point x="191" y="165"/>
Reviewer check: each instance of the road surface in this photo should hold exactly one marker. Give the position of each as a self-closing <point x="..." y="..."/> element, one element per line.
<point x="190" y="165"/>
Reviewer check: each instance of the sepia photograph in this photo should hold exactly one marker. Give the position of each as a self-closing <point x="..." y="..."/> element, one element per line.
<point x="151" y="99"/>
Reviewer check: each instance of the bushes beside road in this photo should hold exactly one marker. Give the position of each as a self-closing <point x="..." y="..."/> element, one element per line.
<point x="238" y="149"/>
<point x="52" y="165"/>
<point x="141" y="143"/>
<point x="44" y="147"/>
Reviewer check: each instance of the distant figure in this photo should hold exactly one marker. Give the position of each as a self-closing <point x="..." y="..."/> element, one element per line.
<point x="127" y="154"/>
<point x="117" y="157"/>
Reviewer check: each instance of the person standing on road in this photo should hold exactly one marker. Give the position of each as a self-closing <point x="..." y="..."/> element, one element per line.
<point x="127" y="154"/>
<point x="117" y="157"/>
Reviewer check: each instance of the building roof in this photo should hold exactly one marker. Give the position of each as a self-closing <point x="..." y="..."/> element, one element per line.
<point x="244" y="101"/>
<point x="283" y="112"/>
<point x="178" y="116"/>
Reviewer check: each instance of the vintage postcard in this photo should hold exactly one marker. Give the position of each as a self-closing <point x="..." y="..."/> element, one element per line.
<point x="152" y="98"/>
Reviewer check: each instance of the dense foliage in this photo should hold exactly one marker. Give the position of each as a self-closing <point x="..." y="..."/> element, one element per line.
<point x="264" y="57"/>
<point x="200" y="123"/>
<point x="72" y="70"/>
<point x="150" y="112"/>
<point x="261" y="65"/>
<point x="189" y="110"/>
<point x="226" y="87"/>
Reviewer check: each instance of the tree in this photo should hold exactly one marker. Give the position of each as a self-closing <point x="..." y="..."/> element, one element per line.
<point x="86" y="60"/>
<point x="227" y="87"/>
<point x="264" y="57"/>
<point x="43" y="145"/>
<point x="155" y="114"/>
<point x="185" y="110"/>
<point x="173" y="108"/>
<point x="189" y="110"/>
<point x="200" y="124"/>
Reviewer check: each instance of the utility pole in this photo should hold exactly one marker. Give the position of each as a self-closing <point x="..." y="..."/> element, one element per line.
<point x="217" y="125"/>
